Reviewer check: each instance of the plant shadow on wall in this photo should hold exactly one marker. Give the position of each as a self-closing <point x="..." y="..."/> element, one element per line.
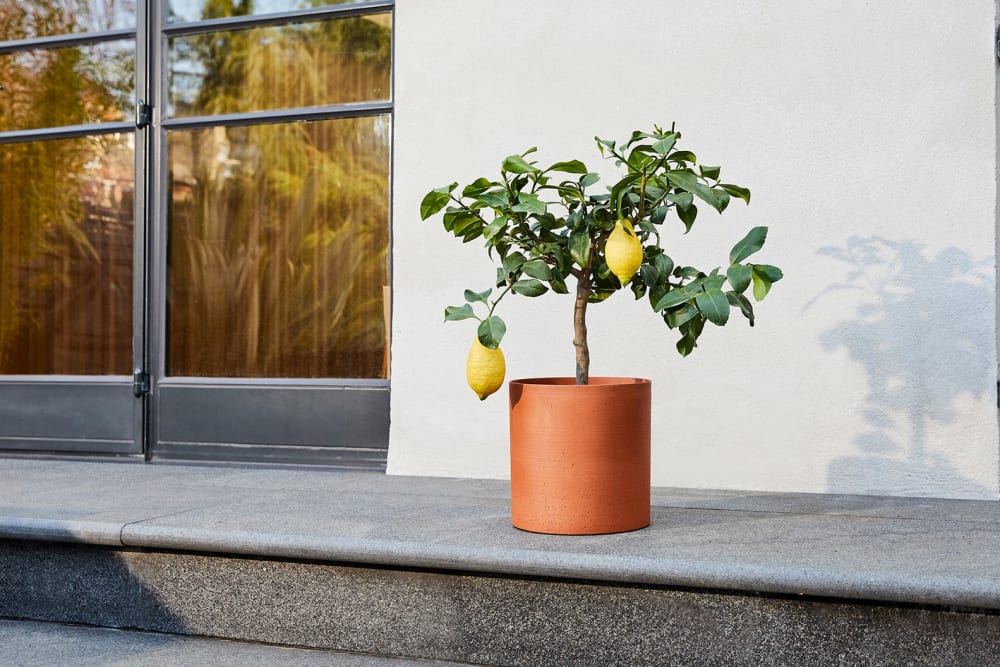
<point x="918" y="333"/>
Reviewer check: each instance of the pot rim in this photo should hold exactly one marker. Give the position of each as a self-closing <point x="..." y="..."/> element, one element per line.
<point x="568" y="381"/>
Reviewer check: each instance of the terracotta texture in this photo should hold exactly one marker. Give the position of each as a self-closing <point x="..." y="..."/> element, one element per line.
<point x="579" y="455"/>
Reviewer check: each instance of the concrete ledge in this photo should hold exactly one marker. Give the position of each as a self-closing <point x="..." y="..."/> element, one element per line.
<point x="914" y="551"/>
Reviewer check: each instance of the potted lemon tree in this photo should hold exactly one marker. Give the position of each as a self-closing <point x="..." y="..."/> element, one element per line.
<point x="580" y="444"/>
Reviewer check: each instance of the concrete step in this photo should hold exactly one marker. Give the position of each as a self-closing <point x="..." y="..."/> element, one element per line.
<point x="430" y="569"/>
<point x="36" y="644"/>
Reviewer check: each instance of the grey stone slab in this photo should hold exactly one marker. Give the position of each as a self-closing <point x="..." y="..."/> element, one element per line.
<point x="33" y="643"/>
<point x="925" y="551"/>
<point x="476" y="619"/>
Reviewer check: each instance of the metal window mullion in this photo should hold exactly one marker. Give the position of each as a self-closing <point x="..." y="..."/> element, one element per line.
<point x="66" y="132"/>
<point x="327" y="112"/>
<point x="278" y="18"/>
<point x="63" y="41"/>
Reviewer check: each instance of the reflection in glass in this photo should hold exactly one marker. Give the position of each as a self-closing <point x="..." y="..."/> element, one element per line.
<point x="66" y="256"/>
<point x="182" y="11"/>
<point x="41" y="18"/>
<point x="71" y="86"/>
<point x="278" y="250"/>
<point x="298" y="65"/>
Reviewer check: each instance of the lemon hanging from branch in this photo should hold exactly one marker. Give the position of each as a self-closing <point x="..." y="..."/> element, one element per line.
<point x="484" y="369"/>
<point x="623" y="251"/>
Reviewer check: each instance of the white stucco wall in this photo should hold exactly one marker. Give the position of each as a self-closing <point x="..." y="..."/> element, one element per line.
<point x="866" y="132"/>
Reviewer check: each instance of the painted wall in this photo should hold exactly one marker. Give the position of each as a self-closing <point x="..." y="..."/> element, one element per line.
<point x="867" y="134"/>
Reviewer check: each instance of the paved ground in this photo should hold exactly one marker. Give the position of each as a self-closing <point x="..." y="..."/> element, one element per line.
<point x="32" y="644"/>
<point x="924" y="551"/>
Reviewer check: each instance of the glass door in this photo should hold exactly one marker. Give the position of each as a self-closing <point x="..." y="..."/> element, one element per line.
<point x="194" y="229"/>
<point x="270" y="275"/>
<point x="67" y="228"/>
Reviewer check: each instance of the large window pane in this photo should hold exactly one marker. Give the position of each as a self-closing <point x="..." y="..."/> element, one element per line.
<point x="69" y="86"/>
<point x="66" y="256"/>
<point x="20" y="19"/>
<point x="278" y="250"/>
<point x="182" y="11"/>
<point x="298" y="65"/>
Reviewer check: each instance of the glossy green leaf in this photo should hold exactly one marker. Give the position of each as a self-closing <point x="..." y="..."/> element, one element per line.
<point x="478" y="187"/>
<point x="687" y="216"/>
<point x="455" y="313"/>
<point x="714" y="305"/>
<point x="435" y="200"/>
<point x="579" y="246"/>
<point x="743" y="303"/>
<point x="663" y="146"/>
<point x="672" y="298"/>
<point x="762" y="279"/>
<point x="516" y="164"/>
<point x="530" y="287"/>
<point x="477" y="297"/>
<point x="710" y="172"/>
<point x="491" y="331"/>
<point x="537" y="268"/>
<point x="569" y="167"/>
<point x="748" y="245"/>
<point x="529" y="203"/>
<point x="736" y="191"/>
<point x="589" y="179"/>
<point x="739" y="277"/>
<point x="688" y="181"/>
<point x="682" y="314"/>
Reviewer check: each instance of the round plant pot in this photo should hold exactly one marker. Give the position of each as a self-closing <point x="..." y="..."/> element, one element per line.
<point x="579" y="455"/>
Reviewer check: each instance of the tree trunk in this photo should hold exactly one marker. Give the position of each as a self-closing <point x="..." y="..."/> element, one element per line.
<point x="580" y="329"/>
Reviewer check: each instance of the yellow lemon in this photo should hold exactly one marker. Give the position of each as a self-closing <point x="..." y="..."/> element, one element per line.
<point x="484" y="369"/>
<point x="623" y="251"/>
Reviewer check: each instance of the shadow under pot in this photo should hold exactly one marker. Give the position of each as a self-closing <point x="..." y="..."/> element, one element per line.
<point x="579" y="455"/>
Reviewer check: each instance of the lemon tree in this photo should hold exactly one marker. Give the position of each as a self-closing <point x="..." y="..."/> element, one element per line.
<point x="553" y="229"/>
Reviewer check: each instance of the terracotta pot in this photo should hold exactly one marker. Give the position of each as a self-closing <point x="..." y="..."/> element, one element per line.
<point x="579" y="455"/>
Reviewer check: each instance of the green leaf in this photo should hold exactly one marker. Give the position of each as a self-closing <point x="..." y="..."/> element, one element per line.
<point x="714" y="305"/>
<point x="537" y="268"/>
<point x="682" y="199"/>
<point x="763" y="279"/>
<point x="739" y="277"/>
<point x="529" y="203"/>
<point x="688" y="181"/>
<point x="682" y="156"/>
<point x="495" y="228"/>
<point x="477" y="297"/>
<point x="435" y="200"/>
<point x="748" y="245"/>
<point x="736" y="191"/>
<point x="455" y="313"/>
<point x="569" y="167"/>
<point x="686" y="345"/>
<point x="649" y="276"/>
<point x="674" y="297"/>
<point x="710" y="172"/>
<point x="496" y="199"/>
<point x="743" y="303"/>
<point x="589" y="179"/>
<point x="618" y="189"/>
<point x="664" y="265"/>
<point x="530" y="287"/>
<point x="558" y="285"/>
<point x="684" y="313"/>
<point x="478" y="187"/>
<point x="687" y="216"/>
<point x="774" y="273"/>
<point x="579" y="246"/>
<point x="491" y="331"/>
<point x="516" y="164"/>
<point x="512" y="263"/>
<point x="663" y="146"/>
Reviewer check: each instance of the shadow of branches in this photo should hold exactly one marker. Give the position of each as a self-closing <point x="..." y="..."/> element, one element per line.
<point x="919" y="331"/>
